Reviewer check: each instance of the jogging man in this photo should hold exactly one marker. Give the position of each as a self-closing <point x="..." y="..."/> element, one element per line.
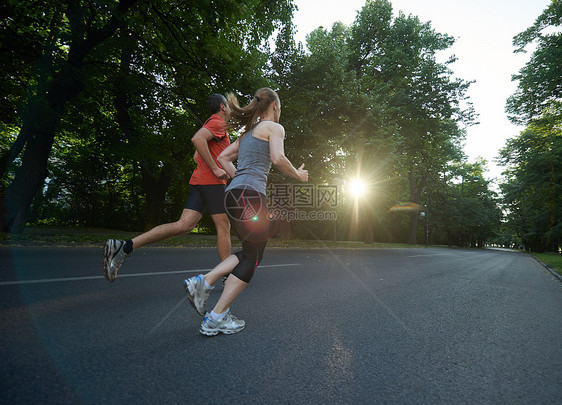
<point x="207" y="187"/>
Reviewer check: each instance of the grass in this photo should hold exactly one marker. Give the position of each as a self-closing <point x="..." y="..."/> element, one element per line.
<point x="93" y="237"/>
<point x="96" y="237"/>
<point x="552" y="260"/>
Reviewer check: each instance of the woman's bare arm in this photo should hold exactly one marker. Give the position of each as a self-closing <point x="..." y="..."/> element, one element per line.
<point x="227" y="156"/>
<point x="278" y="158"/>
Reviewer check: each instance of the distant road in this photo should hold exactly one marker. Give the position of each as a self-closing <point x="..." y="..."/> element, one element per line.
<point x="423" y="326"/>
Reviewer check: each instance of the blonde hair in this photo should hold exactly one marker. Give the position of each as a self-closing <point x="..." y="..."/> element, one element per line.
<point x="246" y="117"/>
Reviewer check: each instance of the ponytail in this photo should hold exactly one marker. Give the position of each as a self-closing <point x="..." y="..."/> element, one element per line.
<point x="246" y="117"/>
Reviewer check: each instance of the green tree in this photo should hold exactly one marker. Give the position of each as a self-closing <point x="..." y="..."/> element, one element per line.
<point x="371" y="100"/>
<point x="135" y="55"/>
<point x="477" y="205"/>
<point x="533" y="187"/>
<point x="318" y="94"/>
<point x="463" y="208"/>
<point x="422" y="115"/>
<point x="540" y="80"/>
<point x="68" y="34"/>
<point x="533" y="158"/>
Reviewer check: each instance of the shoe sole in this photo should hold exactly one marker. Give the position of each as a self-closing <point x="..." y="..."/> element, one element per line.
<point x="106" y="257"/>
<point x="192" y="299"/>
<point x="105" y="267"/>
<point x="208" y="333"/>
<point x="216" y="332"/>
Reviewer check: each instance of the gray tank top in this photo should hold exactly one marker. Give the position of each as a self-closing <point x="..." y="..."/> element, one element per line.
<point x="254" y="163"/>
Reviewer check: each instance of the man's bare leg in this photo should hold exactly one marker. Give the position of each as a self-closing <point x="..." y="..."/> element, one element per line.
<point x="116" y="251"/>
<point x="186" y="223"/>
<point x="224" y="244"/>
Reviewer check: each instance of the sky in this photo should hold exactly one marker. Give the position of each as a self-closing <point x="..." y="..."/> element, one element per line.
<point x="484" y="31"/>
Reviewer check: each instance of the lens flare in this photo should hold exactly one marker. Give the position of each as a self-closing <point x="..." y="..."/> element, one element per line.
<point x="406" y="207"/>
<point x="357" y="187"/>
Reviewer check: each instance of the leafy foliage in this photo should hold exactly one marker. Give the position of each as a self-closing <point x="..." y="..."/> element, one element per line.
<point x="131" y="78"/>
<point x="533" y="189"/>
<point x="373" y="102"/>
<point x="142" y="70"/>
<point x="540" y="80"/>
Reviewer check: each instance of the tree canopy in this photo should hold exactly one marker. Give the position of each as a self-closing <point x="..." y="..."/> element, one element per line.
<point x="102" y="98"/>
<point x="533" y="159"/>
<point x="539" y="86"/>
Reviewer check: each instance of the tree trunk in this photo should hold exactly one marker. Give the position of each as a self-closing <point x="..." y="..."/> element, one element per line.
<point x="37" y="133"/>
<point x="413" y="230"/>
<point x="415" y="194"/>
<point x="28" y="179"/>
<point x="368" y="235"/>
<point x="155" y="186"/>
<point x="44" y="114"/>
<point x="285" y="230"/>
<point x="155" y="190"/>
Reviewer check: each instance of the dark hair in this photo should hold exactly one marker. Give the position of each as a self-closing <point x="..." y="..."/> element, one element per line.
<point x="214" y="102"/>
<point x="246" y="117"/>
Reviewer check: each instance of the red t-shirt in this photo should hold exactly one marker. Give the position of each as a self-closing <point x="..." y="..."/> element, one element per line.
<point x="203" y="175"/>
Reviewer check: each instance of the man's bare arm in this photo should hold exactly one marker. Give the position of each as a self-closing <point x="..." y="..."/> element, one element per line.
<point x="200" y="141"/>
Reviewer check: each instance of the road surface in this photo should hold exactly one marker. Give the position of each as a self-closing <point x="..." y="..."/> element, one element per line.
<point x="322" y="326"/>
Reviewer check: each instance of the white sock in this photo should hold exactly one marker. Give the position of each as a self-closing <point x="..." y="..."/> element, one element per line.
<point x="207" y="285"/>
<point x="217" y="317"/>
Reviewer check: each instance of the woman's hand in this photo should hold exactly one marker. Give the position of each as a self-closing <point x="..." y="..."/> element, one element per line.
<point x="302" y="174"/>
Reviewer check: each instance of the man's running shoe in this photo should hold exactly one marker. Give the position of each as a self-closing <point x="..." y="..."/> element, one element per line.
<point x="227" y="325"/>
<point x="197" y="293"/>
<point x="114" y="256"/>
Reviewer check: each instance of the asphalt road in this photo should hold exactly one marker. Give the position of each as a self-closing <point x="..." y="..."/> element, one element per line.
<point x="419" y="326"/>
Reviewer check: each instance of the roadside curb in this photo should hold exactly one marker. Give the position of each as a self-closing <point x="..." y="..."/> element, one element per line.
<point x="552" y="271"/>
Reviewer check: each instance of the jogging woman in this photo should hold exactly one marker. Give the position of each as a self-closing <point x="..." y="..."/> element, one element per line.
<point x="260" y="144"/>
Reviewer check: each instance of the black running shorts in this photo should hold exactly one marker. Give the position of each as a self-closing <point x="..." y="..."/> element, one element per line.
<point x="203" y="197"/>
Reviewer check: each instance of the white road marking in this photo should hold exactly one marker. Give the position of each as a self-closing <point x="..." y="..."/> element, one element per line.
<point x="431" y="255"/>
<point x="156" y="273"/>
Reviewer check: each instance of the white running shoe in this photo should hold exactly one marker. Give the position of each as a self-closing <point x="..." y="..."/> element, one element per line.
<point x="197" y="293"/>
<point x="113" y="258"/>
<point x="227" y="325"/>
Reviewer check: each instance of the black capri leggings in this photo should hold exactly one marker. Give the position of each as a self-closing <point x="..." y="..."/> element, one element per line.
<point x="247" y="211"/>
